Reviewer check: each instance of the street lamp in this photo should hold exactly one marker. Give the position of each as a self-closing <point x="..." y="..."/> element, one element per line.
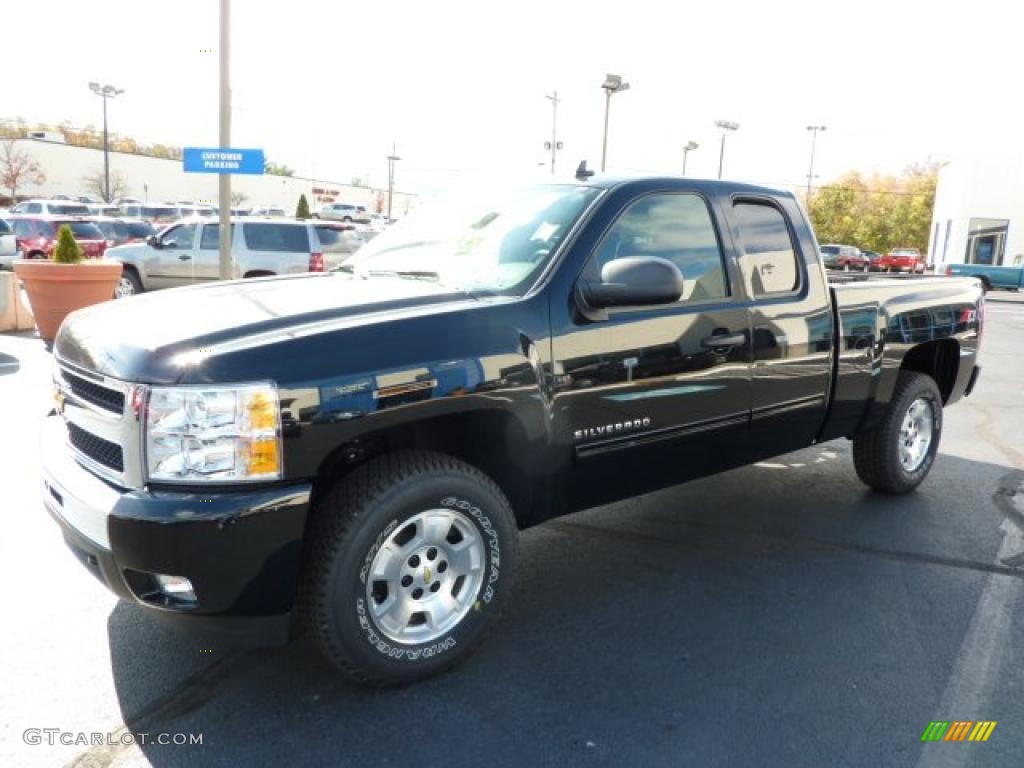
<point x="688" y="147"/>
<point x="726" y="126"/>
<point x="554" y="145"/>
<point x="612" y="84"/>
<point x="810" y="171"/>
<point x="105" y="92"/>
<point x="392" y="159"/>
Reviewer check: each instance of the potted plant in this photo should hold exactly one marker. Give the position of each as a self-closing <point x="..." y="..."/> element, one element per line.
<point x="57" y="288"/>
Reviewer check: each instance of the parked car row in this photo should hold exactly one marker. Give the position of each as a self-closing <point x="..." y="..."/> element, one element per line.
<point x="851" y="258"/>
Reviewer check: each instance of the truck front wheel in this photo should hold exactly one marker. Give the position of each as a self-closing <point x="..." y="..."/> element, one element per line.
<point x="897" y="454"/>
<point x="409" y="564"/>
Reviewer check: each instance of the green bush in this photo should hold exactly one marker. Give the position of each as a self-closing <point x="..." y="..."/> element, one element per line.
<point x="302" y="210"/>
<point x="67" y="251"/>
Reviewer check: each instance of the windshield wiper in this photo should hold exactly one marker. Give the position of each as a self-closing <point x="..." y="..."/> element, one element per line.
<point x="412" y="274"/>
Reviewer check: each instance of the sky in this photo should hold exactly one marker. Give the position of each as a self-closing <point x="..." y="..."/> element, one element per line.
<point x="459" y="87"/>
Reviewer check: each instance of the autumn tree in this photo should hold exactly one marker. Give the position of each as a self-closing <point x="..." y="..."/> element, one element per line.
<point x="878" y="213"/>
<point x="18" y="168"/>
<point x="277" y="169"/>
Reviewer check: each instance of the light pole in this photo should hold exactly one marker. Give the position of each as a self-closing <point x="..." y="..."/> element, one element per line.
<point x="226" y="266"/>
<point x="554" y="145"/>
<point x="105" y="92"/>
<point x="612" y="84"/>
<point x="392" y="159"/>
<point x="810" y="171"/>
<point x="726" y="126"/>
<point x="688" y="147"/>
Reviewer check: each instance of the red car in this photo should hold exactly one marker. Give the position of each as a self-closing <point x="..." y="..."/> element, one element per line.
<point x="36" y="237"/>
<point x="902" y="260"/>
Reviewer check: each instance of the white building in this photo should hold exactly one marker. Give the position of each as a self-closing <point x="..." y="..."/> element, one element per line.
<point x="979" y="211"/>
<point x="161" y="180"/>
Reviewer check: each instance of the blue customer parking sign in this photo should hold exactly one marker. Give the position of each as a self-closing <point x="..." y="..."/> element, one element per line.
<point x="218" y="160"/>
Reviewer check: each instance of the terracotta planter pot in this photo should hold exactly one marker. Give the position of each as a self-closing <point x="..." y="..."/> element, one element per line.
<point x="56" y="290"/>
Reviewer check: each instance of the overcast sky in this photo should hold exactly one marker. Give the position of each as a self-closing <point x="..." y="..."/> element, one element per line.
<point x="325" y="87"/>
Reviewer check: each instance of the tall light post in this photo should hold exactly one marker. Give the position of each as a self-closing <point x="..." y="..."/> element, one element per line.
<point x="392" y="159"/>
<point x="105" y="92"/>
<point x="725" y="126"/>
<point x="554" y="145"/>
<point x="612" y="84"/>
<point x="226" y="265"/>
<point x="688" y="147"/>
<point x="810" y="171"/>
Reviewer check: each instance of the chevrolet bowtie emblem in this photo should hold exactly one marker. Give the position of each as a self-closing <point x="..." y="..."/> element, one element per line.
<point x="426" y="575"/>
<point x="58" y="398"/>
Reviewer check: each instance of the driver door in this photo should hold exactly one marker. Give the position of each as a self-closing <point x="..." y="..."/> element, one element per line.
<point x="173" y="262"/>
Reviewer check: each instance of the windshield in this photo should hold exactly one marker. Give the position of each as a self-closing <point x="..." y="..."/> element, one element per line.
<point x="489" y="244"/>
<point x="832" y="250"/>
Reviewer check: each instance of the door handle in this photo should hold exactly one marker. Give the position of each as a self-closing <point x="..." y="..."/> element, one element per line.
<point x="717" y="341"/>
<point x="184" y="257"/>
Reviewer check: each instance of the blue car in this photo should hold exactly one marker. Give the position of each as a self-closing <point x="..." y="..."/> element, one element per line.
<point x="1009" y="278"/>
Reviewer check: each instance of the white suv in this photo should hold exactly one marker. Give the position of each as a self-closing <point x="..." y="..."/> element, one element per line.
<point x="51" y="208"/>
<point x="344" y="212"/>
<point x="188" y="252"/>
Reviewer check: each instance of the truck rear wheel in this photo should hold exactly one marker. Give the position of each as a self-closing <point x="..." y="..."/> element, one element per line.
<point x="409" y="564"/>
<point x="897" y="454"/>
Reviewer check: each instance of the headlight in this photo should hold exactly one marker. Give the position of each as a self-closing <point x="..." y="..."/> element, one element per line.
<point x="217" y="434"/>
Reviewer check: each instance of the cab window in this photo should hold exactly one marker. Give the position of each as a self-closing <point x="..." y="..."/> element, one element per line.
<point x="769" y="257"/>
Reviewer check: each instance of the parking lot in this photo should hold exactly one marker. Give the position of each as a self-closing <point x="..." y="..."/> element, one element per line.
<point x="778" y="614"/>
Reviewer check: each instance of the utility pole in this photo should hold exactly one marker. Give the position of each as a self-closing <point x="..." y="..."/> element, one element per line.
<point x="555" y="146"/>
<point x="226" y="266"/>
<point x="392" y="159"/>
<point x="612" y="84"/>
<point x="105" y="92"/>
<point x="810" y="171"/>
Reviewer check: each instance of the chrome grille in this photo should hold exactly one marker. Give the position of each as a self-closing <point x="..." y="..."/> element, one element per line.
<point x="96" y="394"/>
<point x="103" y="431"/>
<point x="96" y="448"/>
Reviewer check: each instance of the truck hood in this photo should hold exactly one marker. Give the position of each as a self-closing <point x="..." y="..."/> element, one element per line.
<point x="148" y="338"/>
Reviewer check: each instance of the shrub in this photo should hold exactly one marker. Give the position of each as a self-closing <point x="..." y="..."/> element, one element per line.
<point x="67" y="250"/>
<point x="302" y="210"/>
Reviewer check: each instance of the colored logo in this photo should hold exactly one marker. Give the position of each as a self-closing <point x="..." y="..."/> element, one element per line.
<point x="959" y="730"/>
<point x="426" y="575"/>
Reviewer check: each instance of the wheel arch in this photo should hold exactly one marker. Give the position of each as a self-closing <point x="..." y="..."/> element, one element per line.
<point x="492" y="440"/>
<point x="940" y="359"/>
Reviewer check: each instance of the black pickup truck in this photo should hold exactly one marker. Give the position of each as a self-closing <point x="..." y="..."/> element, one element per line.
<point x="355" y="451"/>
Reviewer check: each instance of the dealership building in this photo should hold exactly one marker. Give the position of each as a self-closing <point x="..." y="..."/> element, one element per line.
<point x="979" y="211"/>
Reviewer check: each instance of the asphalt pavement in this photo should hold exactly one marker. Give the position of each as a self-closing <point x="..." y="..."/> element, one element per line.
<point x="776" y="615"/>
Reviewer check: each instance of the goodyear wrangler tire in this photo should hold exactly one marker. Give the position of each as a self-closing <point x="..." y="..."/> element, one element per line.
<point x="409" y="565"/>
<point x="897" y="454"/>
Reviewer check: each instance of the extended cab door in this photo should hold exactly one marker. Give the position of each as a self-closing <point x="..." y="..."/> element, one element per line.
<point x="653" y="396"/>
<point x="791" y="318"/>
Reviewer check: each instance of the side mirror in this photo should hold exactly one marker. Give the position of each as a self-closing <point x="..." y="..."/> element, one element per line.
<point x="635" y="281"/>
<point x="153" y="242"/>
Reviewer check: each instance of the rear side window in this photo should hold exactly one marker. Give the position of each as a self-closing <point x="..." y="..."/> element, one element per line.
<point x="276" y="237"/>
<point x="69" y="210"/>
<point x="769" y="258"/>
<point x="83" y="230"/>
<point x="210" y="241"/>
<point x="161" y="212"/>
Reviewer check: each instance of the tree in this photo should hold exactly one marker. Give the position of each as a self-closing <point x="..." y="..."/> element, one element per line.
<point x="356" y="181"/>
<point x="275" y="169"/>
<point x="68" y="251"/>
<point x="95" y="183"/>
<point x="302" y="209"/>
<point x="237" y="198"/>
<point x="17" y="168"/>
<point x="877" y="214"/>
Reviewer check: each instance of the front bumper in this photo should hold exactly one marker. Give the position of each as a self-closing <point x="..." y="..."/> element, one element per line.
<point x="240" y="549"/>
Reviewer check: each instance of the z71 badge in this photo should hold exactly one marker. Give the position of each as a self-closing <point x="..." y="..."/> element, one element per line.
<point x="609" y="430"/>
